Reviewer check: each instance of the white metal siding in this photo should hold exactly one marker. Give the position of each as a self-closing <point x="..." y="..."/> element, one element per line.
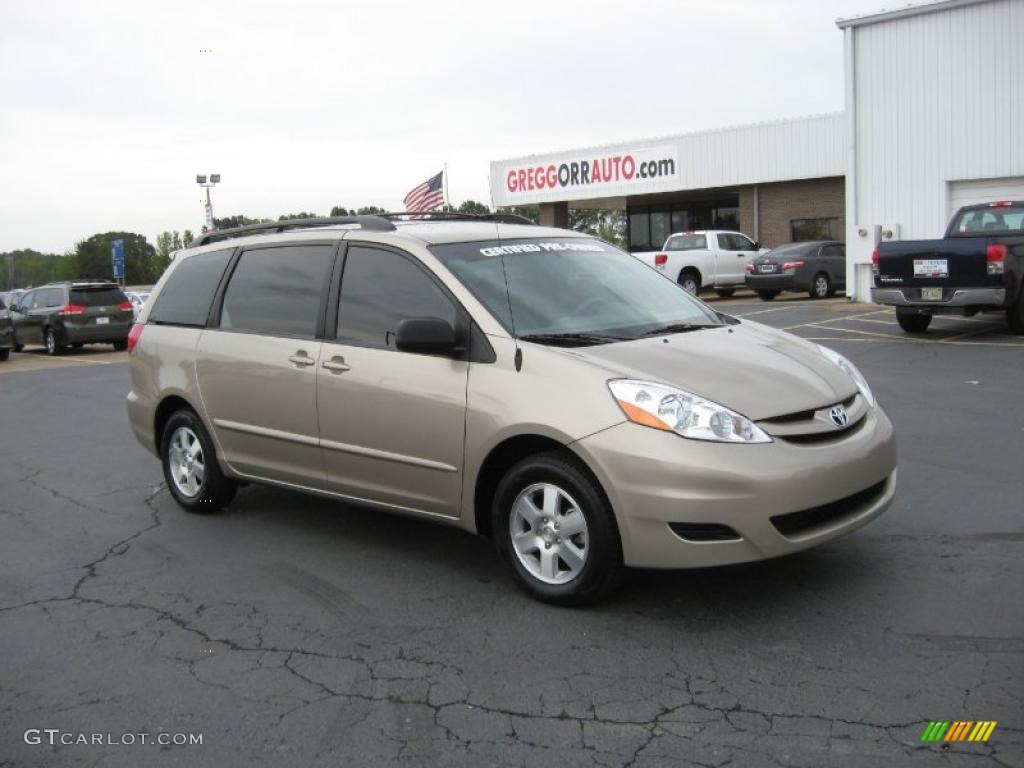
<point x="963" y="193"/>
<point x="939" y="97"/>
<point x="806" y="148"/>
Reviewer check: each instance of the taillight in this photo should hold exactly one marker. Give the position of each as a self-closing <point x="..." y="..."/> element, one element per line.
<point x="660" y="259"/>
<point x="134" y="335"/>
<point x="71" y="309"/>
<point x="791" y="265"/>
<point x="995" y="255"/>
<point x="125" y="305"/>
<point x="875" y="259"/>
<point x="1001" y="204"/>
<point x="750" y="267"/>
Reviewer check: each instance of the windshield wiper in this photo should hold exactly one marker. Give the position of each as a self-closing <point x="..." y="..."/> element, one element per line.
<point x="571" y="339"/>
<point x="678" y="328"/>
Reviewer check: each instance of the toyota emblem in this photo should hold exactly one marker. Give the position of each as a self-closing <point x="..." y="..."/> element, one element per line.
<point x="839" y="416"/>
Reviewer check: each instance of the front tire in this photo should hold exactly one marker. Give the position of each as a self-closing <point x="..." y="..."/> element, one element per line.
<point x="4" y="353"/>
<point x="120" y="346"/>
<point x="190" y="465"/>
<point x="725" y="293"/>
<point x="911" y="322"/>
<point x="767" y="295"/>
<point x="556" y="531"/>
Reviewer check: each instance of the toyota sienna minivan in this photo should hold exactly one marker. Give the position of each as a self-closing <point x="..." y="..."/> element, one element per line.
<point x="536" y="386"/>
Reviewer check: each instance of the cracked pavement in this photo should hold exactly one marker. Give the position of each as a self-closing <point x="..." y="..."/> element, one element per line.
<point x="290" y="630"/>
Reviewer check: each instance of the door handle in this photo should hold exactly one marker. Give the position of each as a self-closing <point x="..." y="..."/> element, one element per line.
<point x="335" y="365"/>
<point x="301" y="359"/>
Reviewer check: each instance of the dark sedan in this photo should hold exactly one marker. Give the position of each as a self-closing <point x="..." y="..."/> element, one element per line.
<point x="6" y="331"/>
<point x="817" y="267"/>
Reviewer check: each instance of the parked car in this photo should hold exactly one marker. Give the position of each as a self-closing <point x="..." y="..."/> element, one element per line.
<point x="534" y="385"/>
<point x="59" y="315"/>
<point x="137" y="300"/>
<point x="976" y="267"/>
<point x="6" y="332"/>
<point x="705" y="259"/>
<point x="817" y="267"/>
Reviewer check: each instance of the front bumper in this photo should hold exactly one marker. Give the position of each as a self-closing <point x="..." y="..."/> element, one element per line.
<point x="955" y="297"/>
<point x="655" y="478"/>
<point x="780" y="281"/>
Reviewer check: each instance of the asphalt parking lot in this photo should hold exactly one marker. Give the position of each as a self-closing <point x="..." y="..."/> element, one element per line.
<point x="290" y="630"/>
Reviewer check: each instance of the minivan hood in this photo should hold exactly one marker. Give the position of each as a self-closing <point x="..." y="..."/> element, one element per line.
<point x="753" y="369"/>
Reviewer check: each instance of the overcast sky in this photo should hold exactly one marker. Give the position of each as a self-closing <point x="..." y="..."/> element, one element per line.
<point x="111" y="109"/>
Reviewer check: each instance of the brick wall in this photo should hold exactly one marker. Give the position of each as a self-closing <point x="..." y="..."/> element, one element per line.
<point x="782" y="202"/>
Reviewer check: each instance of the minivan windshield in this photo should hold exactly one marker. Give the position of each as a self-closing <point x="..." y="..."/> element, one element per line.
<point x="572" y="291"/>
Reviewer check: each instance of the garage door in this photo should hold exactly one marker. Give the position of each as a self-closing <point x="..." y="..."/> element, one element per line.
<point x="984" y="191"/>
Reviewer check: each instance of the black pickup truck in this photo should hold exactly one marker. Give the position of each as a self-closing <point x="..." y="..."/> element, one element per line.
<point x="976" y="267"/>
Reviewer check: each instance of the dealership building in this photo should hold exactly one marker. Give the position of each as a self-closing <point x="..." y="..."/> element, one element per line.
<point x="933" y="119"/>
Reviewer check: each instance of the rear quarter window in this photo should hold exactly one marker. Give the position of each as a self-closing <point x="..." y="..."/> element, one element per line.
<point x="186" y="296"/>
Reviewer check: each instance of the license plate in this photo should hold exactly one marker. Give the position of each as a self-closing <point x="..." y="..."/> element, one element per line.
<point x="931" y="268"/>
<point x="766" y="268"/>
<point x="102" y="320"/>
<point x="931" y="294"/>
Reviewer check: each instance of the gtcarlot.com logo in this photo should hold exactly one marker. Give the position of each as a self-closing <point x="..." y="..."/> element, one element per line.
<point x="55" y="737"/>
<point x="958" y="730"/>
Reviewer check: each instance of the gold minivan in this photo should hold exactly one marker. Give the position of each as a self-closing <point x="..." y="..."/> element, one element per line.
<point x="534" y="385"/>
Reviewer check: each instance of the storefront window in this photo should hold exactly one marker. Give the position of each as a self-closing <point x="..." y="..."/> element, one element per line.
<point x="639" y="231"/>
<point x="727" y="217"/>
<point x="659" y="228"/>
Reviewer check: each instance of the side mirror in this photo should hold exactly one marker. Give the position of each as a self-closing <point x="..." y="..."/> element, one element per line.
<point x="426" y="336"/>
<point x="757" y="245"/>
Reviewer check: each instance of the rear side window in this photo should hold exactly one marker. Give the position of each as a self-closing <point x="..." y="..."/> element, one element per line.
<point x="188" y="292"/>
<point x="379" y="289"/>
<point x="100" y="296"/>
<point x="51" y="297"/>
<point x="686" y="243"/>
<point x="276" y="291"/>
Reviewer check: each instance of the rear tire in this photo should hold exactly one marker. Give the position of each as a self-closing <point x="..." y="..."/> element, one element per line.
<point x="821" y="286"/>
<point x="4" y="353"/>
<point x="190" y="465"/>
<point x="911" y="322"/>
<point x="725" y="293"/>
<point x="767" y="295"/>
<point x="542" y="499"/>
<point x="120" y="346"/>
<point x="18" y="347"/>
<point x="1015" y="313"/>
<point x="690" y="280"/>
<point x="53" y="346"/>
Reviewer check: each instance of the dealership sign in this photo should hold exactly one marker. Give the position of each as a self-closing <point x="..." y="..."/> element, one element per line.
<point x="585" y="174"/>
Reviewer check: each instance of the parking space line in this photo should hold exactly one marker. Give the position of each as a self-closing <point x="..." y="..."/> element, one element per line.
<point x="834" y="319"/>
<point x="949" y="341"/>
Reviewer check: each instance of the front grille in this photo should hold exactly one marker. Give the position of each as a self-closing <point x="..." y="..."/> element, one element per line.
<point x="797" y="523"/>
<point x="825" y="437"/>
<point x="704" y="532"/>
<point x="788" y="418"/>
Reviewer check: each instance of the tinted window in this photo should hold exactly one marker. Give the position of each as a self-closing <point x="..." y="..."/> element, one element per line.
<point x="186" y="296"/>
<point x="100" y="296"/>
<point x="51" y="297"/>
<point x="815" y="229"/>
<point x="25" y="302"/>
<point x="2" y="304"/>
<point x="833" y="252"/>
<point x="276" y="291"/>
<point x="660" y="228"/>
<point x="378" y="289"/>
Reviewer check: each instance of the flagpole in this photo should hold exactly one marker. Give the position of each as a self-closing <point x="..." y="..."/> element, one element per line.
<point x="444" y="178"/>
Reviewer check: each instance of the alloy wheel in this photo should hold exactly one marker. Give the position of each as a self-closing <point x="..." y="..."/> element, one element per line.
<point x="186" y="462"/>
<point x="549" y="533"/>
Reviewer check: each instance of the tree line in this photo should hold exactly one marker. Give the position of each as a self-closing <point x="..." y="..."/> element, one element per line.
<point x="144" y="262"/>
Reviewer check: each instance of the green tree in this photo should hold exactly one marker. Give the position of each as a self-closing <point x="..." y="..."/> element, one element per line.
<point x="92" y="258"/>
<point x="238" y="220"/>
<point x="290" y="216"/>
<point x="531" y="212"/>
<point x="26" y="267"/>
<point x="371" y="210"/>
<point x="341" y="211"/>
<point x="472" y="206"/>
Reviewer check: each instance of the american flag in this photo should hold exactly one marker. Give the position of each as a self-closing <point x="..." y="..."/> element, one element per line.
<point x="428" y="196"/>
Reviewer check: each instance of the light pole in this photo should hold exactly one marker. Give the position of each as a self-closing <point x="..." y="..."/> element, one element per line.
<point x="201" y="181"/>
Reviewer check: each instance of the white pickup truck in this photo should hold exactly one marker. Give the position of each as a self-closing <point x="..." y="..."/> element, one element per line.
<point x="708" y="258"/>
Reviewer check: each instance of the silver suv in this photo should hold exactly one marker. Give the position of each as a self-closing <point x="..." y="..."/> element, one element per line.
<point x="534" y="385"/>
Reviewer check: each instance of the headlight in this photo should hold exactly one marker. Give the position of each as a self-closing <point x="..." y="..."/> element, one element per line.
<point x="671" y="409"/>
<point x="850" y="369"/>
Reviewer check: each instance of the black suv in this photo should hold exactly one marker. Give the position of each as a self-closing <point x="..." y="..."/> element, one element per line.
<point x="72" y="314"/>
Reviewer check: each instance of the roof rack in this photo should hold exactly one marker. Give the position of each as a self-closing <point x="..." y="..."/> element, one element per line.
<point x="376" y="223"/>
<point x="501" y="218"/>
